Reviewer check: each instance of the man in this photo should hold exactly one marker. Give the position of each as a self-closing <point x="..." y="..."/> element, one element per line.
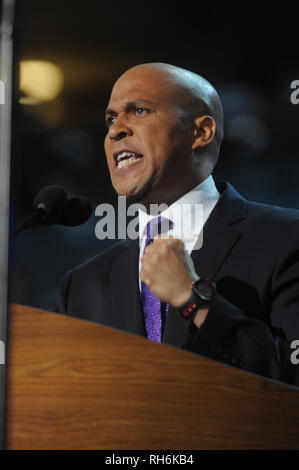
<point x="237" y="301"/>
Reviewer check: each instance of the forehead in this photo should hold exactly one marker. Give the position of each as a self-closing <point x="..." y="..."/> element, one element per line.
<point x="144" y="84"/>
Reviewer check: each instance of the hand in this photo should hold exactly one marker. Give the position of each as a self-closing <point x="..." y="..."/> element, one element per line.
<point x="168" y="270"/>
<point x="200" y="316"/>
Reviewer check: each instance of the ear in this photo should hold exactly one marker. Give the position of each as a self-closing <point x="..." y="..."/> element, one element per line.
<point x="204" y="131"/>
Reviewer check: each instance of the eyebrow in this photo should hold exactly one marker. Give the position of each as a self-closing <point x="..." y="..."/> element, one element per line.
<point x="129" y="105"/>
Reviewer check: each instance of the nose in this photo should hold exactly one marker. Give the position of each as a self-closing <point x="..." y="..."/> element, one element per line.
<point x="119" y="129"/>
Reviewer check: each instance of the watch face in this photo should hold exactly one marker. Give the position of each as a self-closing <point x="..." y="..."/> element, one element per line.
<point x="205" y="289"/>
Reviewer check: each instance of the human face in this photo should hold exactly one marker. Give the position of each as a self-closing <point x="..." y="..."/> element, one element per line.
<point x="143" y="119"/>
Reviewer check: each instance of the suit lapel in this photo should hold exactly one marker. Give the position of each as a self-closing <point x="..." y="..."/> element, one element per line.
<point x="124" y="290"/>
<point x="221" y="232"/>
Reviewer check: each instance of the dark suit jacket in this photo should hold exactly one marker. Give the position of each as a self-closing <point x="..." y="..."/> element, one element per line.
<point x="250" y="250"/>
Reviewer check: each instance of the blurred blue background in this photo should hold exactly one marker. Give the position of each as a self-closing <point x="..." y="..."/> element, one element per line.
<point x="247" y="53"/>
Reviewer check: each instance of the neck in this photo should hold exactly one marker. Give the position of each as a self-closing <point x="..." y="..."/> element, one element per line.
<point x="171" y="194"/>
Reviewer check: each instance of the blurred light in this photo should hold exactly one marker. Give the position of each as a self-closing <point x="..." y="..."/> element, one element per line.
<point x="40" y="81"/>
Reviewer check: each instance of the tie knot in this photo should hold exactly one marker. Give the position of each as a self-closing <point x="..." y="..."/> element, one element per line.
<point x="157" y="226"/>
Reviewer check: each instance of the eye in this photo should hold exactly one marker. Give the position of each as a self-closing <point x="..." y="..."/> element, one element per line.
<point x="110" y="120"/>
<point x="141" y="111"/>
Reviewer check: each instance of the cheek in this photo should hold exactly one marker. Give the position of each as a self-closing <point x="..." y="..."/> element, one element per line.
<point x="164" y="143"/>
<point x="106" y="145"/>
<point x="107" y="151"/>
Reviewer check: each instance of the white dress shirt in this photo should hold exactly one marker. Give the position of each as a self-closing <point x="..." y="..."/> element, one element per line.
<point x="188" y="216"/>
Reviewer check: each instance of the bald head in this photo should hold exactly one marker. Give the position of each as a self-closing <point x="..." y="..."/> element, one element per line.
<point x="192" y="93"/>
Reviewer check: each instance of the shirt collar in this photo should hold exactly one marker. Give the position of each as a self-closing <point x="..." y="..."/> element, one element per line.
<point x="204" y="193"/>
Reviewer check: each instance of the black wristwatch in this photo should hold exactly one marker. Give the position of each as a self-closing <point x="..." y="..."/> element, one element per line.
<point x="203" y="293"/>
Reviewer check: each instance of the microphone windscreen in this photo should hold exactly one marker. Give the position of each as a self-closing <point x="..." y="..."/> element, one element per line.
<point x="76" y="211"/>
<point x="51" y="199"/>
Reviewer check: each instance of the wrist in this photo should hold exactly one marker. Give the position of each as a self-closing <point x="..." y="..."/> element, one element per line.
<point x="203" y="293"/>
<point x="182" y="296"/>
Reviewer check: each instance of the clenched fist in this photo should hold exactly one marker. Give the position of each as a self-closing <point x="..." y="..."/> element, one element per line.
<point x="168" y="271"/>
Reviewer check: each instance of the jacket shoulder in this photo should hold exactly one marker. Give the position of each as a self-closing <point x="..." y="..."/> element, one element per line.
<point x="235" y="208"/>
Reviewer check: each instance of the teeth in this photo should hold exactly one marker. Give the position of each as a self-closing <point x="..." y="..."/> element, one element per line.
<point x="125" y="154"/>
<point x="127" y="162"/>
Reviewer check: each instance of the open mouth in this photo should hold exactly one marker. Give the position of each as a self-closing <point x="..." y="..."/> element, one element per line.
<point x="125" y="159"/>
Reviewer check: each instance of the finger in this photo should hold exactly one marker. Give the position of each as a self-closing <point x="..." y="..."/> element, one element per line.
<point x="171" y="244"/>
<point x="145" y="280"/>
<point x="160" y="237"/>
<point x="176" y="243"/>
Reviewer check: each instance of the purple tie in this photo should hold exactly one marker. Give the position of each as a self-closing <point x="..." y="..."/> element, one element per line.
<point x="154" y="310"/>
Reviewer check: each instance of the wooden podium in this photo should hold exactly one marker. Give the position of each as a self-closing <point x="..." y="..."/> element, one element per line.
<point x="73" y="384"/>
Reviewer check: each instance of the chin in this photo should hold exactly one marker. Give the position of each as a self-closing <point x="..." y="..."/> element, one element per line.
<point x="135" y="194"/>
<point x="134" y="197"/>
<point x="130" y="195"/>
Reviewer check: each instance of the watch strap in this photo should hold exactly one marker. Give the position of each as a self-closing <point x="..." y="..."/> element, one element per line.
<point x="190" y="307"/>
<point x="195" y="301"/>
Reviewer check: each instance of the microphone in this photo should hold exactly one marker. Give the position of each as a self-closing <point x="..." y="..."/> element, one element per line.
<point x="76" y="212"/>
<point x="52" y="207"/>
<point x="48" y="203"/>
